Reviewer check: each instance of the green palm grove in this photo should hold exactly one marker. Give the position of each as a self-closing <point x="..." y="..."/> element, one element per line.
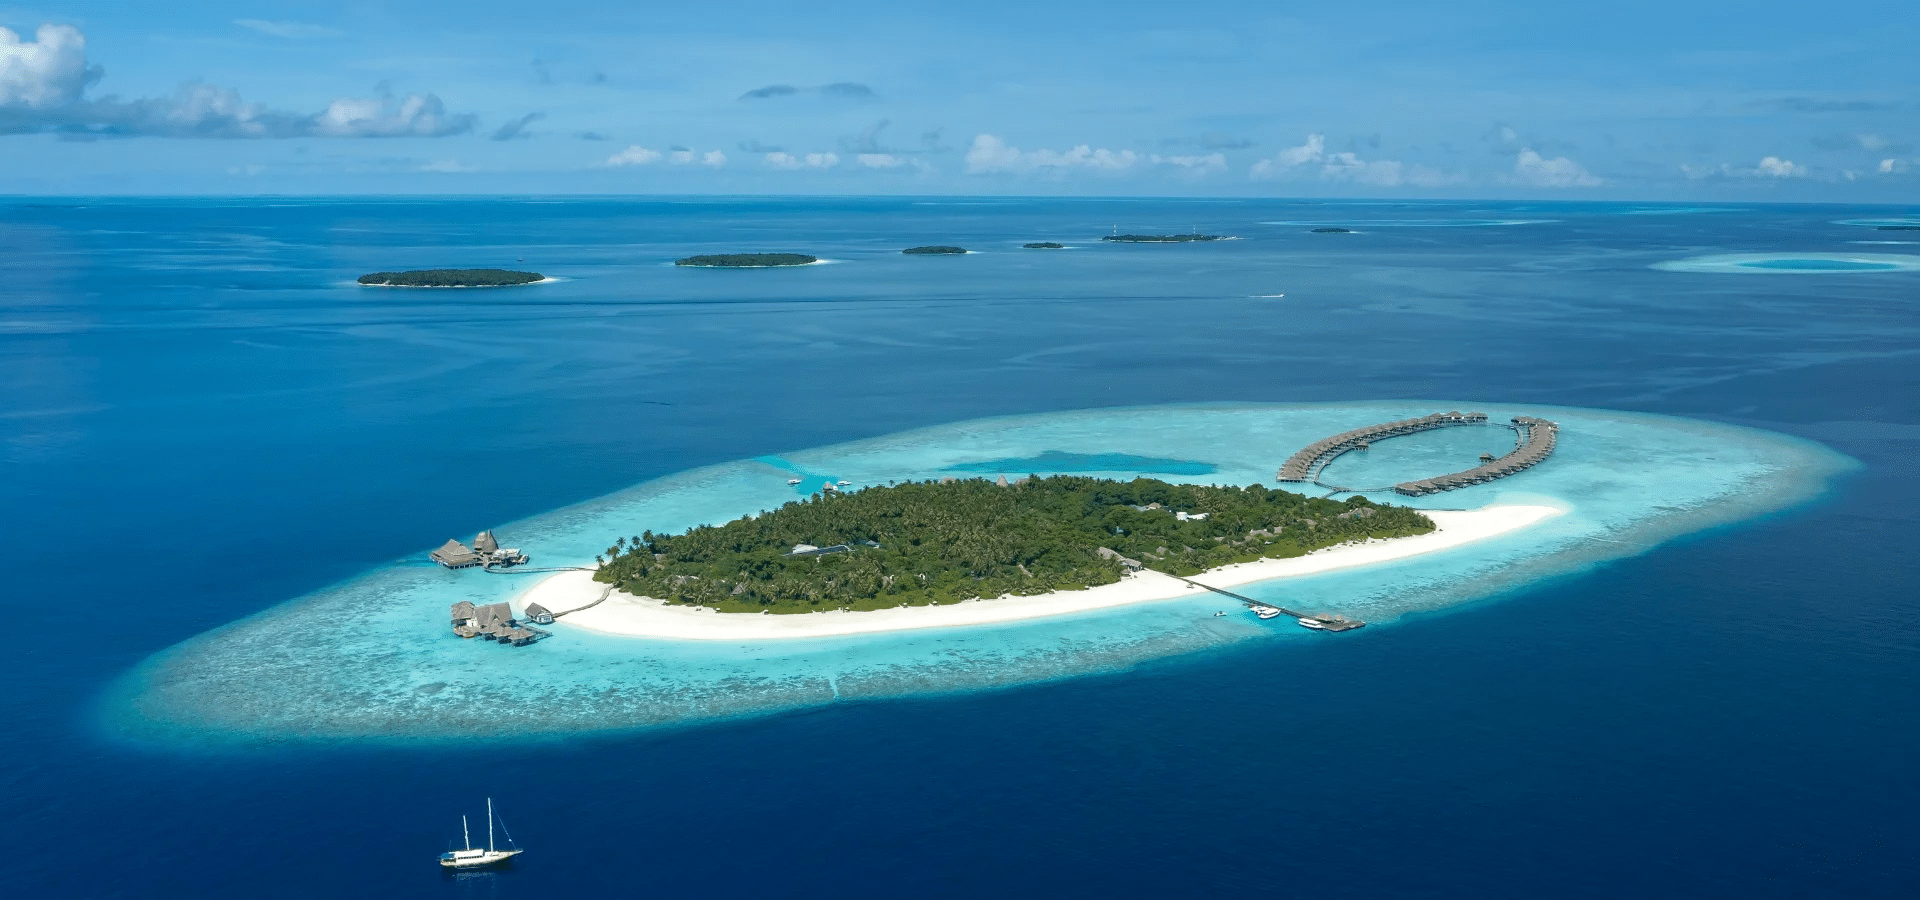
<point x="921" y="543"/>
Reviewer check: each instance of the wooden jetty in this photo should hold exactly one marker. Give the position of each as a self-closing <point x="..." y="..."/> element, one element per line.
<point x="1319" y="622"/>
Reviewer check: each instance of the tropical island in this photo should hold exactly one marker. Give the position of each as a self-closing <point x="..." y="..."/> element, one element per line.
<point x="1161" y="238"/>
<point x="1043" y="245"/>
<point x="451" y="278"/>
<point x="936" y="250"/>
<point x="1900" y="228"/>
<point x="1333" y="231"/>
<point x="935" y="543"/>
<point x="747" y="260"/>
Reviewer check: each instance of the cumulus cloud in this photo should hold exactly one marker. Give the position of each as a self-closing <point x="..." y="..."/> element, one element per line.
<point x="1311" y="160"/>
<point x="879" y="161"/>
<point x="1892" y="166"/>
<point x="43" y="86"/>
<point x="49" y="71"/>
<point x="991" y="154"/>
<point x="1767" y="167"/>
<point x="637" y="155"/>
<point x="295" y="30"/>
<point x="1530" y="168"/>
<point x="782" y="160"/>
<point x="843" y="90"/>
<point x="517" y="128"/>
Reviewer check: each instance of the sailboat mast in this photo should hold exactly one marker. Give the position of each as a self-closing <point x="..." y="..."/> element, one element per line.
<point x="465" y="837"/>
<point x="489" y="824"/>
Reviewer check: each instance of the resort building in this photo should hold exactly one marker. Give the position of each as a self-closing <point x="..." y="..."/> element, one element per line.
<point x="486" y="551"/>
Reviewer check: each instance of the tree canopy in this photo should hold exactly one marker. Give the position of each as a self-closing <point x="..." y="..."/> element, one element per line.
<point x="747" y="260"/>
<point x="925" y="542"/>
<point x="934" y="250"/>
<point x="451" y="278"/>
<point x="1160" y="238"/>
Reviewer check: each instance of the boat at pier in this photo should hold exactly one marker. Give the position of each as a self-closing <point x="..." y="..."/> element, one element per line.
<point x="1265" y="612"/>
<point x="475" y="858"/>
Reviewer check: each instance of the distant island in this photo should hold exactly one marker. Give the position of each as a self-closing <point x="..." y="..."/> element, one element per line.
<point x="747" y="260"/>
<point x="934" y="250"/>
<point x="1043" y="245"/>
<point x="1161" y="238"/>
<point x="1900" y="228"/>
<point x="926" y="543"/>
<point x="1333" y="231"/>
<point x="451" y="278"/>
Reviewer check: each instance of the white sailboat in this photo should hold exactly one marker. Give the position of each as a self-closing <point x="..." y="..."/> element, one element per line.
<point x="473" y="857"/>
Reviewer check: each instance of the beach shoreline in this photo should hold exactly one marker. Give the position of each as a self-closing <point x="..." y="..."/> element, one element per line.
<point x="625" y="615"/>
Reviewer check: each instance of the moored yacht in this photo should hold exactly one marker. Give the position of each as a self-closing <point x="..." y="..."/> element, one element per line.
<point x="475" y="858"/>
<point x="1265" y="612"/>
<point x="1314" y="624"/>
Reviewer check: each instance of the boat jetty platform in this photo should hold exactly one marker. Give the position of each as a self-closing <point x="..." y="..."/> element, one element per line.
<point x="1536" y="441"/>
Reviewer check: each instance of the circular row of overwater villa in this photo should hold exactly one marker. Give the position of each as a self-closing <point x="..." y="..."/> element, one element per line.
<point x="1537" y="440"/>
<point x="1306" y="464"/>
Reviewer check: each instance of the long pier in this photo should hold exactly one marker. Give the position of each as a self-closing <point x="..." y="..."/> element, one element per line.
<point x="1537" y="440"/>
<point x="1326" y="623"/>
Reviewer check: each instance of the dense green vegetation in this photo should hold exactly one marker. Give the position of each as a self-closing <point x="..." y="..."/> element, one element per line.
<point x="1333" y="231"/>
<point x="747" y="260"/>
<point x="1161" y="238"/>
<point x="924" y="542"/>
<point x="934" y="250"/>
<point x="451" y="278"/>
<point x="1044" y="245"/>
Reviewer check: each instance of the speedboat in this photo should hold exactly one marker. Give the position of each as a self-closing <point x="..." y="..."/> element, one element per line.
<point x="845" y="483"/>
<point x="1313" y="624"/>
<point x="1265" y="612"/>
<point x="792" y="481"/>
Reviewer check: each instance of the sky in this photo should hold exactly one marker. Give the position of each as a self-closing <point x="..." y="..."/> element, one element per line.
<point x="1679" y="100"/>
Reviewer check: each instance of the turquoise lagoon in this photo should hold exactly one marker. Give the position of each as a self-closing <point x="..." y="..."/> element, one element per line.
<point x="373" y="658"/>
<point x="1795" y="263"/>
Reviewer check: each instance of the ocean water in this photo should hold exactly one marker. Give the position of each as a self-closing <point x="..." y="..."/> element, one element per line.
<point x="1700" y="681"/>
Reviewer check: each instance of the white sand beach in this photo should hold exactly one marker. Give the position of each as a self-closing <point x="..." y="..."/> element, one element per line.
<point x="624" y="614"/>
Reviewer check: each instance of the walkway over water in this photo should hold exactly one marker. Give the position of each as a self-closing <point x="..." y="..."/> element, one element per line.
<point x="1537" y="439"/>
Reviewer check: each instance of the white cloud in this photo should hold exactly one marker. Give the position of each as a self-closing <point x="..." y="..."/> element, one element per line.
<point x="43" y="85"/>
<point x="1768" y="167"/>
<point x="713" y="158"/>
<point x="1531" y="168"/>
<point x="415" y="115"/>
<point x="1200" y="164"/>
<point x="1892" y="166"/>
<point x="991" y="154"/>
<point x="1312" y="160"/>
<point x="781" y="159"/>
<point x="635" y="155"/>
<point x="879" y="161"/>
<point x="288" y="29"/>
<point x="448" y="166"/>
<point x="50" y="70"/>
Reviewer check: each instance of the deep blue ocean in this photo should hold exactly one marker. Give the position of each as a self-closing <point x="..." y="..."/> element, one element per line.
<point x="204" y="417"/>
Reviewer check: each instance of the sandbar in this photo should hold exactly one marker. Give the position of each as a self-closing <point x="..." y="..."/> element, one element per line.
<point x="631" y="616"/>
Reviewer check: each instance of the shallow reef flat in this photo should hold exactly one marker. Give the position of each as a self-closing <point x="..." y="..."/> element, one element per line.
<point x="373" y="657"/>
